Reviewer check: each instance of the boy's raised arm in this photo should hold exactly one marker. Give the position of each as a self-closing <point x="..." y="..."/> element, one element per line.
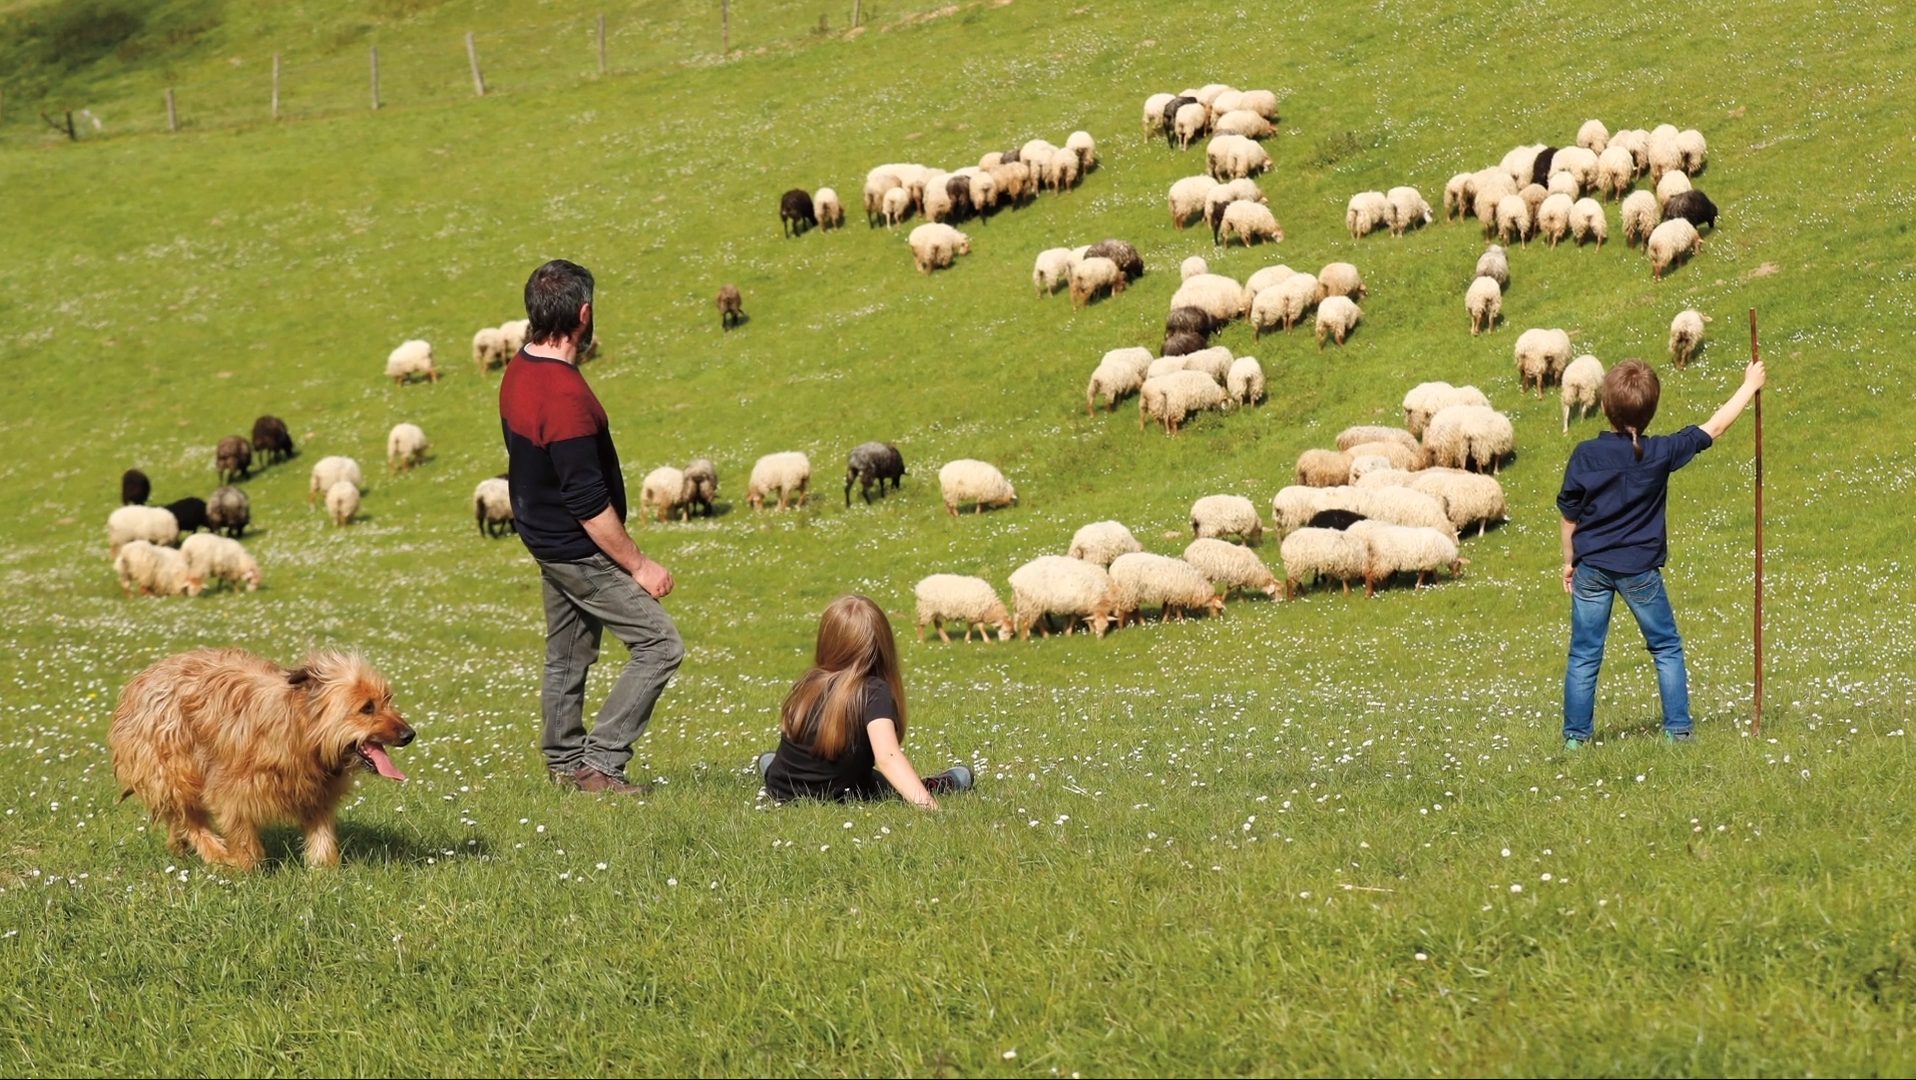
<point x="1719" y="423"/>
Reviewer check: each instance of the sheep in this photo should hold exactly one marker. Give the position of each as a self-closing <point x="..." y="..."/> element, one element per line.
<point x="1226" y="102"/>
<point x="1686" y="336"/>
<point x="1637" y="142"/>
<point x="872" y="463"/>
<point x="1190" y="319"/>
<point x="1244" y="382"/>
<point x="1092" y="277"/>
<point x="1593" y="136"/>
<point x="492" y="507"/>
<point x="1102" y="541"/>
<point x="1231" y="567"/>
<point x="1334" y="519"/>
<point x="1180" y="342"/>
<point x="1580" y="162"/>
<point x="1323" y="468"/>
<point x="1363" y="465"/>
<point x="895" y="206"/>
<point x="831" y="212"/>
<point x="411" y="358"/>
<point x="1533" y="197"/>
<point x="879" y="183"/>
<point x="1082" y="144"/>
<point x="1396" y="505"/>
<point x="1266" y="277"/>
<point x="1191" y="122"/>
<point x="1395" y="549"/>
<point x="1293" y="507"/>
<point x="1283" y="306"/>
<point x="1063" y="170"/>
<point x="406" y="447"/>
<point x="1672" y="184"/>
<point x="1120" y="252"/>
<point x="959" y="598"/>
<point x="1261" y="102"/>
<point x="1371" y="433"/>
<point x="1468" y="498"/>
<point x="1340" y="279"/>
<point x="935" y="245"/>
<point x="1220" y="297"/>
<point x="342" y="502"/>
<point x="1055" y="585"/>
<point x="514" y="331"/>
<point x="1226" y="515"/>
<point x="977" y="482"/>
<point x="1520" y="163"/>
<point x="1174" y="586"/>
<point x="1692" y="206"/>
<point x="189" y="512"/>
<point x="228" y="510"/>
<point x="947" y="197"/>
<point x="1665" y="155"/>
<point x="1187" y="198"/>
<point x="216" y="558"/>
<point x="1553" y="217"/>
<point x="1616" y="171"/>
<point x="1488" y="188"/>
<point x="1250" y="222"/>
<point x="1337" y="316"/>
<point x="796" y="213"/>
<point x="702" y="475"/>
<point x="786" y="473"/>
<point x="666" y="493"/>
<point x="1541" y="356"/>
<point x="1694" y="151"/>
<point x="1322" y="554"/>
<point x="1400" y="455"/>
<point x="1494" y="263"/>
<point x="1475" y="437"/>
<point x="156" y="570"/>
<point x="1173" y="398"/>
<point x="1563" y="183"/>
<point x="731" y="307"/>
<point x="1582" y="385"/>
<point x="1051" y="270"/>
<point x="1640" y="216"/>
<point x="1457" y="196"/>
<point x="1484" y="302"/>
<point x="1244" y="122"/>
<point x="153" y="524"/>
<point x="1366" y="212"/>
<point x="1425" y="400"/>
<point x="329" y="471"/>
<point x="1587" y="222"/>
<point x="135" y="488"/>
<point x="1214" y="361"/>
<point x="1154" y="113"/>
<point x="1513" y="219"/>
<point x="1192" y="267"/>
<point x="271" y="441"/>
<point x="1670" y="243"/>
<point x="489" y="349"/>
<point x="1230" y="157"/>
<point x="1408" y="210"/>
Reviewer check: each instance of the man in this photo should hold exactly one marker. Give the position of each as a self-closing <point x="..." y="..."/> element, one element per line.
<point x="569" y="498"/>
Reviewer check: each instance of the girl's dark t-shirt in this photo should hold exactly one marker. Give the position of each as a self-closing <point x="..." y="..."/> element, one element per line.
<point x="796" y="772"/>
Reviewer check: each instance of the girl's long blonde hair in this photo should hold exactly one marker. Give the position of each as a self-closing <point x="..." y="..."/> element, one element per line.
<point x="854" y="642"/>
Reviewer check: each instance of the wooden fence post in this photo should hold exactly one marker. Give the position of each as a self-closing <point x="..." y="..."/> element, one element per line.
<point x="602" y="44"/>
<point x="276" y="86"/>
<point x="375" y="78"/>
<point x="857" y="11"/>
<point x="172" y="116"/>
<point x="725" y="27"/>
<point x="472" y="55"/>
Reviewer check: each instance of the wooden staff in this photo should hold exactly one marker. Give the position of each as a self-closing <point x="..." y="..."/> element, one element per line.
<point x="1756" y="716"/>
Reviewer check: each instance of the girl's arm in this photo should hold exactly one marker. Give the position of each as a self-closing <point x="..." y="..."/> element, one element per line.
<point x="1753" y="378"/>
<point x="895" y="767"/>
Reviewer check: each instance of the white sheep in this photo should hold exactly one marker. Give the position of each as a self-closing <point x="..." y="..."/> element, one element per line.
<point x="879" y="183"/>
<point x="1266" y="277"/>
<point x="1468" y="498"/>
<point x="1396" y="505"/>
<point x="1366" y="212"/>
<point x="1232" y="156"/>
<point x="1533" y="196"/>
<point x="328" y="471"/>
<point x="1061" y="170"/>
<point x="1553" y="217"/>
<point x="1521" y="162"/>
<point x="513" y="334"/>
<point x="1174" y="586"/>
<point x="1190" y="124"/>
<point x="1173" y="398"/>
<point x="1118" y="375"/>
<point x="1284" y="305"/>
<point x="1426" y="400"/>
<point x="1495" y="263"/>
<point x="828" y="209"/>
<point x="1261" y="102"/>
<point x="1082" y="144"/>
<point x="1582" y="388"/>
<point x="1214" y="361"/>
<point x="217" y="558"/>
<point x="489" y="348"/>
<point x="1488" y="188"/>
<point x="1457" y="196"/>
<point x="1686" y="336"/>
<point x="895" y="204"/>
<point x="1666" y="156"/>
<point x="1293" y="507"/>
<point x="1694" y="150"/>
<point x="1102" y="541"/>
<point x="984" y="190"/>
<point x="1359" y="434"/>
<point x="1187" y="198"/>
<point x="1231" y="567"/>
<point x="342" y="501"/>
<point x="1395" y="549"/>
<point x="934" y="245"/>
<point x="1469" y="436"/>
<point x="1051" y="270"/>
<point x="1563" y="183"/>
<point x="1226" y="102"/>
<point x="1244" y="382"/>
<point x="1541" y="356"/>
<point x="1484" y="302"/>
<point x="1220" y="297"/>
<point x="1340" y="279"/>
<point x="1579" y="161"/>
<point x="665" y="492"/>
<point x="1587" y="222"/>
<point x="492" y="506"/>
<point x="1398" y="454"/>
<point x="1249" y="221"/>
<point x="1593" y="136"/>
<point x="1055" y="585"/>
<point x="1637" y="142"/>
<point x="1226" y="515"/>
<point x="788" y="473"/>
<point x="1322" y="555"/>
<point x="153" y="524"/>
<point x="1670" y="243"/>
<point x="1337" y="316"/>
<point x="1616" y="171"/>
<point x="1408" y="210"/>
<point x="1322" y="468"/>
<point x="408" y="359"/>
<point x="959" y="598"/>
<point x="977" y="482"/>
<point x="1513" y="220"/>
<point x="1363" y="465"/>
<point x="154" y="569"/>
<point x="1640" y="215"/>
<point x="1154" y="114"/>
<point x="406" y="447"/>
<point x="1093" y="277"/>
<point x="1673" y="183"/>
<point x="1192" y="267"/>
<point x="1210" y="92"/>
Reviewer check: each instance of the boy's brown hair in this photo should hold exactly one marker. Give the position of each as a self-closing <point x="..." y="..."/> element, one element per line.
<point x="1630" y="392"/>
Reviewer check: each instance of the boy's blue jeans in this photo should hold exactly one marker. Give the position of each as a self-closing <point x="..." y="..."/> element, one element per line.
<point x="1592" y="592"/>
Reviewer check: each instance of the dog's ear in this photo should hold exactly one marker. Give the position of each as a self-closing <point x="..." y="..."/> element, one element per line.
<point x="299" y="676"/>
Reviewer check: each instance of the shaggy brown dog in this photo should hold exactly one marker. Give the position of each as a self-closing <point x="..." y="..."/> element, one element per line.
<point x="219" y="741"/>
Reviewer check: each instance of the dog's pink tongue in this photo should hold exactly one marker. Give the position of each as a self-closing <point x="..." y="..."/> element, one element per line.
<point x="382" y="763"/>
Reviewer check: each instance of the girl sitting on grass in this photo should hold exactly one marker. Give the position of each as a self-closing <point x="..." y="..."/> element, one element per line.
<point x="842" y="725"/>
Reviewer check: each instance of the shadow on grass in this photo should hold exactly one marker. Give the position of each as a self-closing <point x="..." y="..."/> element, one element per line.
<point x="362" y="843"/>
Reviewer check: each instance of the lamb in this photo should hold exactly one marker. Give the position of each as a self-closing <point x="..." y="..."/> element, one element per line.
<point x="1226" y="515"/>
<point x="1484" y="302"/>
<point x="514" y="331"/>
<point x="1120" y="252"/>
<point x="1323" y="554"/>
<point x="1616" y="171"/>
<point x="1220" y="297"/>
<point x="1692" y="206"/>
<point x="1513" y="219"/>
<point x="1593" y="136"/>
<point x="1408" y="210"/>
<point x="406" y="447"/>
<point x="1174" y="586"/>
<point x="1371" y="433"/>
<point x="1092" y="277"/>
<point x="156" y="570"/>
<point x="702" y="475"/>
<point x="489" y="349"/>
<point x="731" y="307"/>
<point x="1154" y="113"/>
<point x="959" y="598"/>
<point x="329" y="471"/>
<point x="1187" y="198"/>
<point x="1366" y="212"/>
<point x="1082" y="144"/>
<point x="785" y="473"/>
<point x="1640" y="216"/>
<point x="1232" y="156"/>
<point x="1051" y="270"/>
<point x="1230" y="567"/>
<point x="1553" y="217"/>
<point x="666" y="493"/>
<point x="1250" y="222"/>
<point x="977" y="482"/>
<point x="1244" y="122"/>
<point x="1284" y="306"/>
<point x="1468" y="498"/>
<point x="1267" y="277"/>
<point x="1587" y="222"/>
<point x="1323" y="468"/>
<point x="153" y="524"/>
<point x="190" y="512"/>
<point x="1582" y="386"/>
<point x="1541" y="356"/>
<point x="1686" y="336"/>
<point x="1055" y="585"/>
<point x="1495" y="263"/>
<point x="233" y="458"/>
<point x="228" y="510"/>
<point x="1670" y="243"/>
<point x="1340" y="279"/>
<point x="1425" y="400"/>
<point x="1457" y="196"/>
<point x="1191" y="122"/>
<point x="1694" y="151"/>
<point x="216" y="558"/>
<point x="1672" y="184"/>
<point x="135" y="488"/>
<point x="895" y="205"/>
<point x="1337" y="316"/>
<point x="831" y="212"/>
<point x="1173" y="398"/>
<point x="934" y="245"/>
<point x="1469" y="436"/>
<point x="1396" y="549"/>
<point x="795" y="212"/>
<point x="1102" y="541"/>
<point x="1244" y="382"/>
<point x="492" y="507"/>
<point x="1063" y="170"/>
<point x="1399" y="455"/>
<point x="408" y="359"/>
<point x="1192" y="267"/>
<point x="872" y="463"/>
<point x="1118" y="375"/>
<point x="342" y="501"/>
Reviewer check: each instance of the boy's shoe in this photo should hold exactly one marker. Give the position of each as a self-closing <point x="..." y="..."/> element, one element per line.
<point x="1573" y="744"/>
<point x="956" y="778"/>
<point x="593" y="782"/>
<point x="1674" y="737"/>
<point x="764" y="761"/>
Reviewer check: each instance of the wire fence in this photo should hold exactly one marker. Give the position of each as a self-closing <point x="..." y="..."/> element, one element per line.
<point x="421" y="68"/>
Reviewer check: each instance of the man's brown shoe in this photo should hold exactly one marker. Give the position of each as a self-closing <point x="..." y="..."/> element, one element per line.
<point x="591" y="780"/>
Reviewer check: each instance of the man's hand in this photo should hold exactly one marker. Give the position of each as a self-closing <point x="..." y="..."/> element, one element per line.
<point x="653" y="578"/>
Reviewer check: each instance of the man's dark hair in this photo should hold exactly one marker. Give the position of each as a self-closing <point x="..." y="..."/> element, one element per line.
<point x="553" y="295"/>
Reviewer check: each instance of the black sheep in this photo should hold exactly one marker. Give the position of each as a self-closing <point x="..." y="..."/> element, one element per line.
<point x="134" y="488"/>
<point x="1693" y="207"/>
<point x="271" y="441"/>
<point x="873" y="463"/>
<point x="1540" y="172"/>
<point x="190" y="513"/>
<point x="1119" y="252"/>
<point x="1195" y="320"/>
<point x="1335" y="519"/>
<point x="958" y="190"/>
<point x="1171" y="108"/>
<point x="1183" y="343"/>
<point x="795" y="212"/>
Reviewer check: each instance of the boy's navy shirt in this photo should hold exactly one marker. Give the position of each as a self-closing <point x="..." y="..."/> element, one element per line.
<point x="1617" y="501"/>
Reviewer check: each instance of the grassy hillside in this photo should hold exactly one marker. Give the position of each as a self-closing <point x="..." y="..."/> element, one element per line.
<point x="1322" y="837"/>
